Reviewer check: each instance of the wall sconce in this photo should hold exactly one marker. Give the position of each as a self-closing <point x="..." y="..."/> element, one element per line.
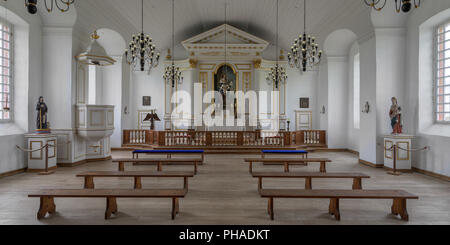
<point x="322" y="111"/>
<point x="125" y="110"/>
<point x="366" y="108"/>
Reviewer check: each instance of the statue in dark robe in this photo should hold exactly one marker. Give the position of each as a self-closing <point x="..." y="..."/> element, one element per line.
<point x="41" y="119"/>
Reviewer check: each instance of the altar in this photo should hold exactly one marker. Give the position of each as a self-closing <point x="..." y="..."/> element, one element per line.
<point x="223" y="62"/>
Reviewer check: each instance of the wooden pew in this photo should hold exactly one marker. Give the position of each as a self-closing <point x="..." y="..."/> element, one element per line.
<point x="286" y="162"/>
<point x="158" y="162"/>
<point x="170" y="152"/>
<point x="137" y="175"/>
<point x="308" y="176"/>
<point x="47" y="203"/>
<point x="302" y="153"/>
<point x="399" y="198"/>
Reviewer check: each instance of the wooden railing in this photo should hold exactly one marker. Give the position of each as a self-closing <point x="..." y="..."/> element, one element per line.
<point x="309" y="138"/>
<point x="139" y="137"/>
<point x="224" y="138"/>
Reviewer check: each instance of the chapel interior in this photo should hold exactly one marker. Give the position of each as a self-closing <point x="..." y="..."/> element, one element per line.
<point x="224" y="112"/>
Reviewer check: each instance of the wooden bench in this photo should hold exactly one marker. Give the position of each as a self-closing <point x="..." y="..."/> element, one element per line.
<point x="169" y="153"/>
<point x="398" y="207"/>
<point x="357" y="177"/>
<point x="137" y="175"/>
<point x="302" y="153"/>
<point x="286" y="162"/>
<point x="47" y="203"/>
<point x="158" y="162"/>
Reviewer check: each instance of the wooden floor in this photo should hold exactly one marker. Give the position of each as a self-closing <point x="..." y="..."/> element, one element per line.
<point x="224" y="193"/>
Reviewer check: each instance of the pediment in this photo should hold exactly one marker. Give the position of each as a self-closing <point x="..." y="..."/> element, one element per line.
<point x="212" y="43"/>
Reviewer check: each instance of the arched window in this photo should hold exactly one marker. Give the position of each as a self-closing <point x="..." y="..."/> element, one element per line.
<point x="6" y="81"/>
<point x="442" y="75"/>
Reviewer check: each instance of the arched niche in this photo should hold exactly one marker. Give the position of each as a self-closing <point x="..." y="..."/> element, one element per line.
<point x="339" y="42"/>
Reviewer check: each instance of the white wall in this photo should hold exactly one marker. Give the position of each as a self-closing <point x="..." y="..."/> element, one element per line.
<point x="301" y="85"/>
<point x="337" y="101"/>
<point x="368" y="132"/>
<point x="418" y="82"/>
<point x="111" y="87"/>
<point x="152" y="85"/>
<point x="352" y="132"/>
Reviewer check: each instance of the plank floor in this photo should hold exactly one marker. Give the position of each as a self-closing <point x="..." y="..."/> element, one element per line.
<point x="224" y="193"/>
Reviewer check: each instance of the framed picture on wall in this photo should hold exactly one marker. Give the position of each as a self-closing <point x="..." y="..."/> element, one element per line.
<point x="304" y="103"/>
<point x="146" y="101"/>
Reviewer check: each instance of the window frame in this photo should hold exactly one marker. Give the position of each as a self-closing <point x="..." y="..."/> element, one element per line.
<point x="11" y="71"/>
<point x="436" y="68"/>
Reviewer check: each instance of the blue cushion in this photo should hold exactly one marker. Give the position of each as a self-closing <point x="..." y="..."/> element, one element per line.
<point x="285" y="151"/>
<point x="168" y="151"/>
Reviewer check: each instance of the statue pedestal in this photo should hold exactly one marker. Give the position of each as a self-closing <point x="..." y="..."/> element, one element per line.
<point x="402" y="141"/>
<point x="36" y="160"/>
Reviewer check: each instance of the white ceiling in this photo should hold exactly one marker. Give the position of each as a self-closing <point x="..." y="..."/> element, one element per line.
<point x="258" y="17"/>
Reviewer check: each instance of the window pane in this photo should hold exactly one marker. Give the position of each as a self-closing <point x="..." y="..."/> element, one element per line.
<point x="447" y="117"/>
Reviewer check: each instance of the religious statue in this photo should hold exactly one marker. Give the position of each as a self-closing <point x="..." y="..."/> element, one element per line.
<point x="396" y="117"/>
<point x="41" y="119"/>
<point x="224" y="85"/>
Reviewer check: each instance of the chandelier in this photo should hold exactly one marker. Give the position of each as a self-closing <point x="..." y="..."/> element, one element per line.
<point x="62" y="5"/>
<point x="141" y="50"/>
<point x="172" y="74"/>
<point x="277" y="74"/>
<point x="400" y="5"/>
<point x="305" y="53"/>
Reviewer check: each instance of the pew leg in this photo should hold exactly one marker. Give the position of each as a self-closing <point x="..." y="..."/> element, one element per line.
<point x="270" y="208"/>
<point x="159" y="168"/>
<point x="399" y="208"/>
<point x="52" y="206"/>
<point x="46" y="206"/>
<point x="121" y="167"/>
<point x="250" y="168"/>
<point x="404" y="211"/>
<point x="185" y="183"/>
<point x="308" y="183"/>
<point x="177" y="206"/>
<point x="174" y="207"/>
<point x="195" y="167"/>
<point x="111" y="207"/>
<point x="137" y="183"/>
<point x="323" y="168"/>
<point x="286" y="167"/>
<point x="357" y="184"/>
<point x="259" y="184"/>
<point x="89" y="182"/>
<point x="334" y="208"/>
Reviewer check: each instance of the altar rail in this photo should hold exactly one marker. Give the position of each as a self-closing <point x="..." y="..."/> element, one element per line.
<point x="224" y="138"/>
